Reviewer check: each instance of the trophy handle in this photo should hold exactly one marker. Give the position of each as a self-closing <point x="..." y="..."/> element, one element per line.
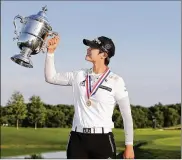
<point x="44" y="46"/>
<point x="22" y="20"/>
<point x="52" y="33"/>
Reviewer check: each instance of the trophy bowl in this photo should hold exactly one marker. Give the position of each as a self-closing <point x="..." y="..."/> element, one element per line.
<point x="32" y="37"/>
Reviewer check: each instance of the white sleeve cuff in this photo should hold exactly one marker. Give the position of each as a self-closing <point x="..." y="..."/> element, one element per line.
<point x="50" y="54"/>
<point x="128" y="143"/>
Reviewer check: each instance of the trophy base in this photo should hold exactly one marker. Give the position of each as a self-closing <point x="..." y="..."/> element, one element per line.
<point x="21" y="60"/>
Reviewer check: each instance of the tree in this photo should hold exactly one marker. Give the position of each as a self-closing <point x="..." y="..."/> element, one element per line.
<point x="171" y="117"/>
<point x="55" y="117"/>
<point x="37" y="111"/>
<point x="117" y="118"/>
<point x="16" y="107"/>
<point x="140" y="117"/>
<point x="3" y="117"/>
<point x="68" y="114"/>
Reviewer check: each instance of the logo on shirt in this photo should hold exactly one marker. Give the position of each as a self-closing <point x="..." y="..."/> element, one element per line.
<point x="101" y="86"/>
<point x="106" y="88"/>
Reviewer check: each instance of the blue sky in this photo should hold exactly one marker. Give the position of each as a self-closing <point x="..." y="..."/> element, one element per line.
<point x="146" y="35"/>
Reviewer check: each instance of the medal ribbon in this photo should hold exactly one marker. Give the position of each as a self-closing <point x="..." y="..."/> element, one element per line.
<point x="92" y="91"/>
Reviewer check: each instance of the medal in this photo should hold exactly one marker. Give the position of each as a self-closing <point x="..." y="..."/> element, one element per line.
<point x="89" y="103"/>
<point x="91" y="91"/>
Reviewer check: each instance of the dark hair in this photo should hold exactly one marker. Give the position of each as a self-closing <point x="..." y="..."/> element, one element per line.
<point x="106" y="61"/>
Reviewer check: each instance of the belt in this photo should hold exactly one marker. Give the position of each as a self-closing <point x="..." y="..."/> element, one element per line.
<point x="93" y="130"/>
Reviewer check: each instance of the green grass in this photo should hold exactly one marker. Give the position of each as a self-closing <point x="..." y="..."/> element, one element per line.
<point x="159" y="144"/>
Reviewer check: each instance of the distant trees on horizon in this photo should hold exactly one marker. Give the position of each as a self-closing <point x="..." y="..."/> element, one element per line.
<point x="38" y="114"/>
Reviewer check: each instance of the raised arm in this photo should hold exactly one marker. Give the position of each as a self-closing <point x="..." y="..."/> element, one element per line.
<point x="122" y="98"/>
<point x="51" y="76"/>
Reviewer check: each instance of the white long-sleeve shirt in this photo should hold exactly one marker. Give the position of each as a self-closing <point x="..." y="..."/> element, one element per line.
<point x="99" y="114"/>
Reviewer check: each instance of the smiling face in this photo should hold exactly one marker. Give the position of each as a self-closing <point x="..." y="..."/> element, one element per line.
<point x="95" y="55"/>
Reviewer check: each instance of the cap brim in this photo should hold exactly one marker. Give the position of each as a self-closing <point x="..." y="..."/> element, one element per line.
<point x="90" y="43"/>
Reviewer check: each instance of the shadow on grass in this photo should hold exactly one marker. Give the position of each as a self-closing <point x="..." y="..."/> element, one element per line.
<point x="34" y="156"/>
<point x="141" y="153"/>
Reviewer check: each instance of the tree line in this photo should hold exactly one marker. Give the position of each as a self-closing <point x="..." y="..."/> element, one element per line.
<point x="36" y="113"/>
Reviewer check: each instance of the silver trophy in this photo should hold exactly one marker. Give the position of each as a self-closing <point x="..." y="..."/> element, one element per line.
<point x="32" y="37"/>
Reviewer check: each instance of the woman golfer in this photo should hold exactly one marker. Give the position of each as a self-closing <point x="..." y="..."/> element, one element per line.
<point x="96" y="92"/>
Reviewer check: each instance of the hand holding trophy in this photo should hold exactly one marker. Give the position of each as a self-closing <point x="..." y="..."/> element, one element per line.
<point x="32" y="37"/>
<point x="52" y="44"/>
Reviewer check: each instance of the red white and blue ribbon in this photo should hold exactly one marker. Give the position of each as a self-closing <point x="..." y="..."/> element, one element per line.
<point x="91" y="91"/>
